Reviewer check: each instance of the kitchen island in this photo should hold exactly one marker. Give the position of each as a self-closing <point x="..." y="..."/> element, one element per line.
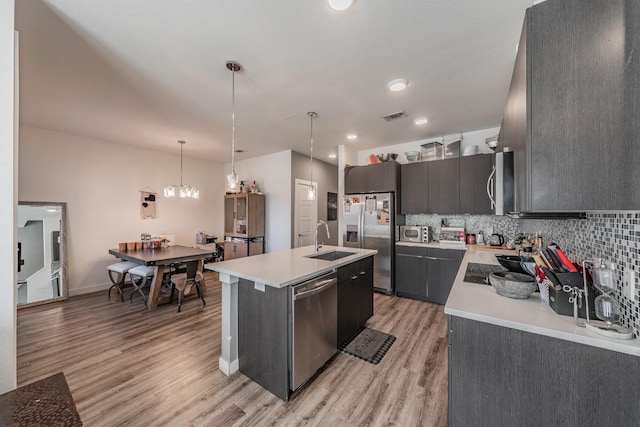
<point x="516" y="362"/>
<point x="268" y="275"/>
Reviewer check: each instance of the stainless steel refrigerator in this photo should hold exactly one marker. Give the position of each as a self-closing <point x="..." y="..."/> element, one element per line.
<point x="368" y="223"/>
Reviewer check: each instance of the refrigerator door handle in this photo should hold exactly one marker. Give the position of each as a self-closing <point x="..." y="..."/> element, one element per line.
<point x="490" y="188"/>
<point x="361" y="225"/>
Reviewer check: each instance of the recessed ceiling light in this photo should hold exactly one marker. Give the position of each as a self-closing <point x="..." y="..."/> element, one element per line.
<point x="332" y="156"/>
<point x="352" y="136"/>
<point x="420" y="121"/>
<point x="340" y="4"/>
<point x="397" y="85"/>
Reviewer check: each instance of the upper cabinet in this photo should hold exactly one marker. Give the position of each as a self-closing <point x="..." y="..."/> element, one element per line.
<point x="444" y="186"/>
<point x="449" y="186"/>
<point x="414" y="183"/>
<point x="377" y="178"/>
<point x="475" y="172"/>
<point x="572" y="112"/>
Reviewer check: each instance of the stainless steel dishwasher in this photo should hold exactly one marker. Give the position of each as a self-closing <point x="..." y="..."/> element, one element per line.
<point x="314" y="326"/>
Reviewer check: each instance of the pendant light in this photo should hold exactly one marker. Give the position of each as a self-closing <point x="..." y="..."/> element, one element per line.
<point x="311" y="193"/>
<point x="183" y="191"/>
<point x="340" y="4"/>
<point x="233" y="180"/>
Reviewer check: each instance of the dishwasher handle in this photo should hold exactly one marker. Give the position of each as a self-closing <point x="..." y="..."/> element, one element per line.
<point x="320" y="286"/>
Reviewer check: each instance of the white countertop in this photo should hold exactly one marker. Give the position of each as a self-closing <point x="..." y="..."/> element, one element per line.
<point x="284" y="268"/>
<point x="482" y="303"/>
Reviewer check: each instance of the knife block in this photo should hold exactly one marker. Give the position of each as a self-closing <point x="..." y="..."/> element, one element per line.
<point x="559" y="299"/>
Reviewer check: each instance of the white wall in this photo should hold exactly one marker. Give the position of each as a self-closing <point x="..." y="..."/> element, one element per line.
<point x="272" y="173"/>
<point x="468" y="138"/>
<point x="8" y="195"/>
<point x="100" y="181"/>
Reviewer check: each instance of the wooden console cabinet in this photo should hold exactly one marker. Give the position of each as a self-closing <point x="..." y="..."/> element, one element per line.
<point x="244" y="221"/>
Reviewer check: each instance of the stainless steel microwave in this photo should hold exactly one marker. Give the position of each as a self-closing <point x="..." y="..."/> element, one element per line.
<point x="415" y="233"/>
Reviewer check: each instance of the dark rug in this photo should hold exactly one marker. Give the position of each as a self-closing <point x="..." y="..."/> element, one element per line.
<point x="369" y="345"/>
<point x="47" y="402"/>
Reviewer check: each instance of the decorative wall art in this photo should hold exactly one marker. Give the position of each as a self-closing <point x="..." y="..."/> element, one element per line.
<point x="147" y="203"/>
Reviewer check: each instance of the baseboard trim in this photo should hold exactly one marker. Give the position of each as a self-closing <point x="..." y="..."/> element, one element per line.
<point x="89" y="289"/>
<point x="228" y="368"/>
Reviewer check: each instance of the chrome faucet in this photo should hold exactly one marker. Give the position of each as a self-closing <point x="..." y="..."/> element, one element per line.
<point x="319" y="245"/>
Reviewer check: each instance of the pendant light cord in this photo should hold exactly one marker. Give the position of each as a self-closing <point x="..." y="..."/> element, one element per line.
<point x="233" y="120"/>
<point x="311" y="157"/>
<point x="232" y="178"/>
<point x="311" y="115"/>
<point x="181" y="145"/>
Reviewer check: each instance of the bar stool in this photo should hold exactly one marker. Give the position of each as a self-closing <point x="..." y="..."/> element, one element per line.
<point x="120" y="270"/>
<point x="139" y="279"/>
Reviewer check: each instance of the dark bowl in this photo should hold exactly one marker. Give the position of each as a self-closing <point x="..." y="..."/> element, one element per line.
<point x="512" y="262"/>
<point x="387" y="156"/>
<point x="513" y="285"/>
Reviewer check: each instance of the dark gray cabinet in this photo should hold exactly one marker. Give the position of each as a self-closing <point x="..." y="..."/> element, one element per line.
<point x="442" y="268"/>
<point x="449" y="186"/>
<point x="356" y="179"/>
<point x="573" y="105"/>
<point x="414" y="185"/>
<point x="444" y="186"/>
<point x="505" y="377"/>
<point x="474" y="175"/>
<point x="628" y="144"/>
<point x="263" y="336"/>
<point x="411" y="272"/>
<point x="355" y="297"/>
<point x="426" y="273"/>
<point x="515" y="120"/>
<point x="376" y="178"/>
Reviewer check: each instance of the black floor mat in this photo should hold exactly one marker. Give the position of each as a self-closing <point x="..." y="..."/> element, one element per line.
<point x="369" y="345"/>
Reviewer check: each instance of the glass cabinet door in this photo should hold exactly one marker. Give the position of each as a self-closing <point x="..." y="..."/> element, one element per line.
<point x="241" y="215"/>
<point x="229" y="215"/>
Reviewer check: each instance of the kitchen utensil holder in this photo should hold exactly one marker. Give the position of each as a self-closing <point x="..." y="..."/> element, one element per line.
<point x="559" y="299"/>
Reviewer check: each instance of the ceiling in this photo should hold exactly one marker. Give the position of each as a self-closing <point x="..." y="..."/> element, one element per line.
<point x="151" y="72"/>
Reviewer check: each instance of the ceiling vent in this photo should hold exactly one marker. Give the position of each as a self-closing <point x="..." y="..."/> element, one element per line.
<point x="395" y="116"/>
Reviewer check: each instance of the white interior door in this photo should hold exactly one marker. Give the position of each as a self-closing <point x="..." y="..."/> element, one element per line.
<point x="306" y="214"/>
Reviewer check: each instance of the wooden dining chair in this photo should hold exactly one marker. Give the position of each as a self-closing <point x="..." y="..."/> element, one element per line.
<point x="183" y="282"/>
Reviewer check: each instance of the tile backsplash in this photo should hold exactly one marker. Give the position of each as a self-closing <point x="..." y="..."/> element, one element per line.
<point x="614" y="236"/>
<point x="473" y="223"/>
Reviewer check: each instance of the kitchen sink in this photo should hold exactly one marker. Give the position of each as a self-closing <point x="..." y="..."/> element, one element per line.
<point x="330" y="256"/>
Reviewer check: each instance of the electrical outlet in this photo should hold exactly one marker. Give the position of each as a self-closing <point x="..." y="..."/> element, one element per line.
<point x="630" y="284"/>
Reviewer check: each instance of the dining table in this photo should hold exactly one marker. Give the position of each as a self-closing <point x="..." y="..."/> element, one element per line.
<point x="159" y="259"/>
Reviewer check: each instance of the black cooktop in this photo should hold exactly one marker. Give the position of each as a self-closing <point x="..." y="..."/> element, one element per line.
<point x="479" y="273"/>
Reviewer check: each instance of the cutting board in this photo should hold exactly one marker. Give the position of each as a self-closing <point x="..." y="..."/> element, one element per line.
<point x="497" y="249"/>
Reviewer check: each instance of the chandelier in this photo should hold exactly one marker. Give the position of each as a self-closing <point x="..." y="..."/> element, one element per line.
<point x="181" y="190"/>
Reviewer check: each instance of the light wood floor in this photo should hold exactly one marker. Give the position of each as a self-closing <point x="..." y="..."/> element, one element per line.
<point x="131" y="367"/>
